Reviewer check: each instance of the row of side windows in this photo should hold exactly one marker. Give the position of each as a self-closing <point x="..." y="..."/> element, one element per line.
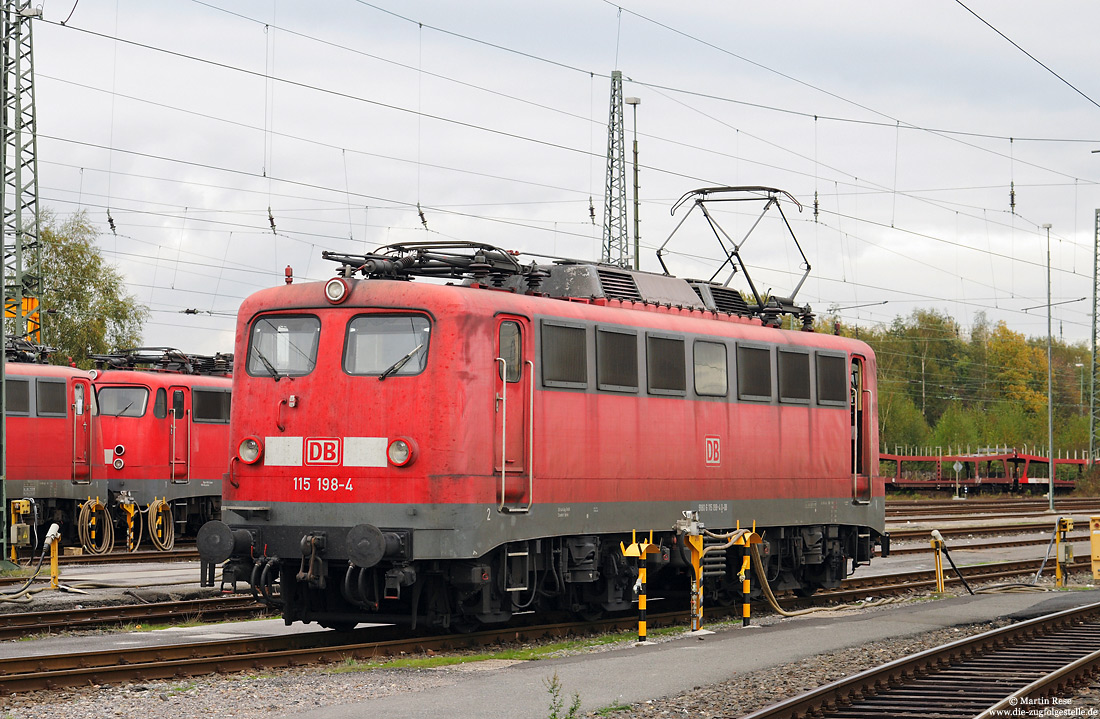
<point x="565" y="348"/>
<point x="208" y="405"/>
<point x="49" y="397"/>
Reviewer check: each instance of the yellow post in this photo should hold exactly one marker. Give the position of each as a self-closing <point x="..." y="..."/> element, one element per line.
<point x="55" y="571"/>
<point x="52" y="538"/>
<point x="1094" y="542"/>
<point x="1063" y="549"/>
<point x="937" y="548"/>
<point x="695" y="543"/>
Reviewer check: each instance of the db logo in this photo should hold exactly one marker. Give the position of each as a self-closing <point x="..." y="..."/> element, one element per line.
<point x="323" y="450"/>
<point x="712" y="450"/>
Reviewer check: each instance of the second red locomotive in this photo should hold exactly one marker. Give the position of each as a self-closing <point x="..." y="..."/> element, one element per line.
<point x="141" y="443"/>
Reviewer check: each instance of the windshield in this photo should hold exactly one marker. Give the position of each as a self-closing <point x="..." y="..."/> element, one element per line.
<point x="283" y="346"/>
<point x="386" y="346"/>
<point x="122" y="401"/>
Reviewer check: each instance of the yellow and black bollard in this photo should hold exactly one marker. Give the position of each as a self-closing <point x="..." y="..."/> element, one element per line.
<point x="743" y="575"/>
<point x="133" y="539"/>
<point x="639" y="550"/>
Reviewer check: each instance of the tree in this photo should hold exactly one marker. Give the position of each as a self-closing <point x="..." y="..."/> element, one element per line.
<point x="1021" y="369"/>
<point x="87" y="308"/>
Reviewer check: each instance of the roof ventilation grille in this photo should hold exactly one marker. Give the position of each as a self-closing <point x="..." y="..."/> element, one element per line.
<point x="619" y="286"/>
<point x="727" y="300"/>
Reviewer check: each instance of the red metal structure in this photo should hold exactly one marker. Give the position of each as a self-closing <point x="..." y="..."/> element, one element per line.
<point x="456" y="453"/>
<point x="1007" y="469"/>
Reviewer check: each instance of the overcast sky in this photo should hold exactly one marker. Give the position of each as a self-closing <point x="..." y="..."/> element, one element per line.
<point x="909" y="121"/>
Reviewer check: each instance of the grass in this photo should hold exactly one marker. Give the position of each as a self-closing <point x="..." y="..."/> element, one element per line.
<point x="23" y="572"/>
<point x="525" y="654"/>
<point x="616" y="707"/>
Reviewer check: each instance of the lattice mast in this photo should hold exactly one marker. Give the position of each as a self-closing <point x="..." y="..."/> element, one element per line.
<point x="1094" y="417"/>
<point x="18" y="203"/>
<point x="616" y="240"/>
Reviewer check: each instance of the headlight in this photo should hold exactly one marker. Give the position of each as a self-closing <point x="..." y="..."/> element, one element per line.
<point x="336" y="290"/>
<point x="118" y="463"/>
<point x="249" y="450"/>
<point x="401" y="452"/>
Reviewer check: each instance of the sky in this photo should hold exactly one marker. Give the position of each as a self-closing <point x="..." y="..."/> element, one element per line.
<point x="196" y="126"/>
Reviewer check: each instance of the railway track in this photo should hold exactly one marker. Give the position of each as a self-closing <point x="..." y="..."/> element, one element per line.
<point x="1005" y="544"/>
<point x="131" y="664"/>
<point x="179" y="554"/>
<point x="112" y="666"/>
<point x="212" y="609"/>
<point x="998" y="508"/>
<point x="1020" y="665"/>
<point x="898" y="535"/>
<point x="183" y="554"/>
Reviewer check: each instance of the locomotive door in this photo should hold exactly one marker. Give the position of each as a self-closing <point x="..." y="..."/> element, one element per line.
<point x="514" y="382"/>
<point x="179" y="435"/>
<point x="82" y="435"/>
<point x="861" y="478"/>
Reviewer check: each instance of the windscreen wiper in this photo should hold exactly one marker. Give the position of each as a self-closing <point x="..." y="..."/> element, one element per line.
<point x="267" y="364"/>
<point x="399" y="363"/>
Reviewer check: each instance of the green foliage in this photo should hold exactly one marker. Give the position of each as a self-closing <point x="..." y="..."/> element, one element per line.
<point x="957" y="427"/>
<point x="900" y="421"/>
<point x="941" y="385"/>
<point x="88" y="310"/>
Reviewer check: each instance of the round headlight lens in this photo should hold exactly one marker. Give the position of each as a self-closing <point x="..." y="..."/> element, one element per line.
<point x="249" y="450"/>
<point x="336" y="290"/>
<point x="118" y="463"/>
<point x="399" y="452"/>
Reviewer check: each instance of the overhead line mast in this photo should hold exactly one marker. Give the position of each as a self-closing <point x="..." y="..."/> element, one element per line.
<point x="1094" y="410"/>
<point x="616" y="241"/>
<point x="18" y="204"/>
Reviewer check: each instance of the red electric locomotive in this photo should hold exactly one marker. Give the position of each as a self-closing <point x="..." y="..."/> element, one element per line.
<point x="142" y="444"/>
<point x="49" y="446"/>
<point x="162" y="431"/>
<point x="456" y="453"/>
